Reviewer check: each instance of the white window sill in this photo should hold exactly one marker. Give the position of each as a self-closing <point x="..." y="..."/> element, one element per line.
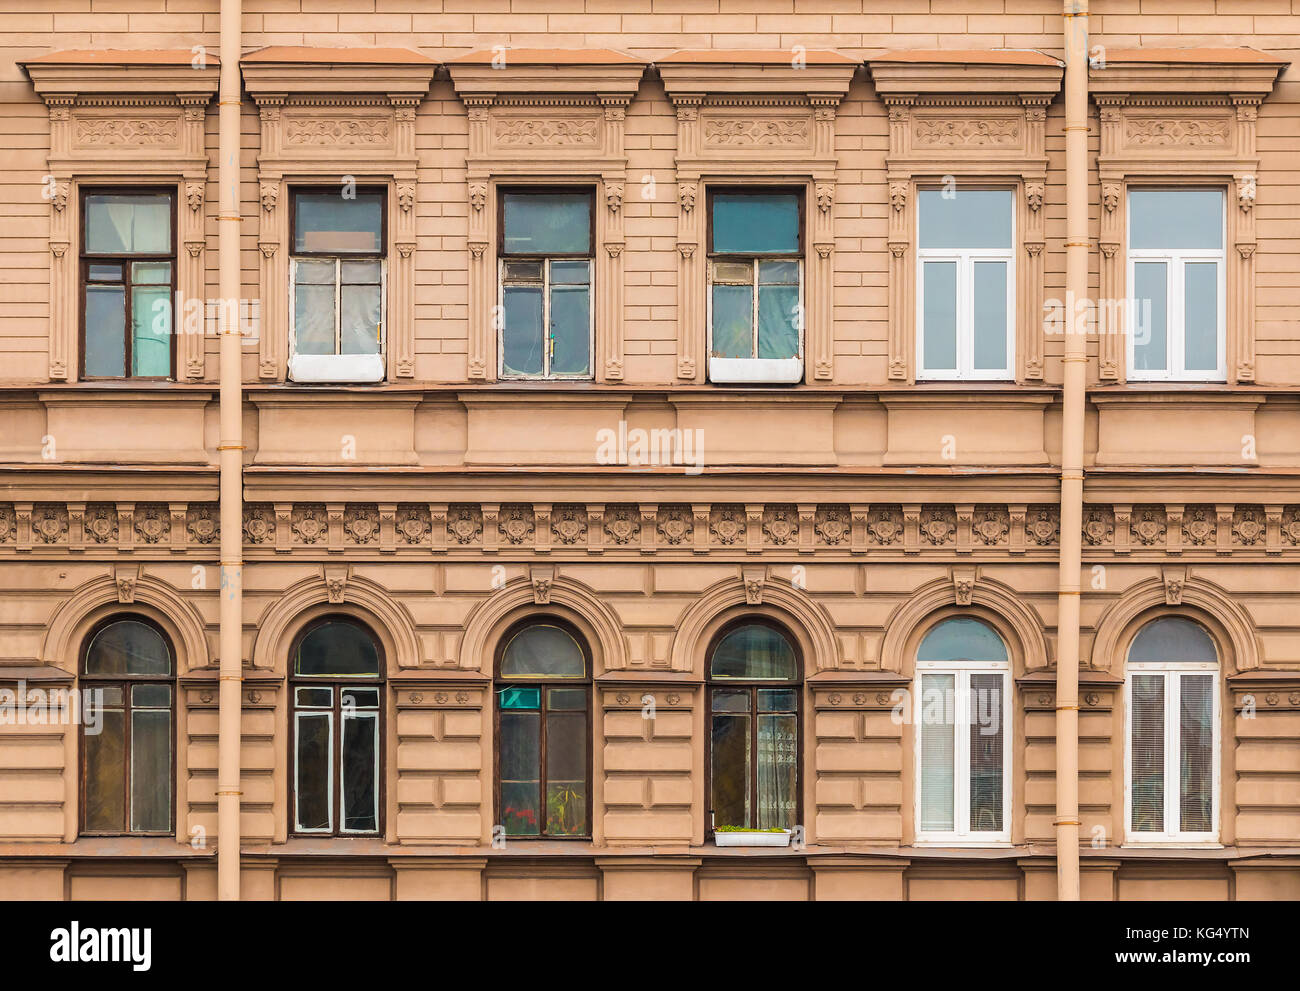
<point x="755" y="371"/>
<point x="336" y="368"/>
<point x="965" y="844"/>
<point x="1172" y="845"/>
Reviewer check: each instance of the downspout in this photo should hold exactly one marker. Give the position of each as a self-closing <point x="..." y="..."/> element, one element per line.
<point x="1075" y="363"/>
<point x="231" y="452"/>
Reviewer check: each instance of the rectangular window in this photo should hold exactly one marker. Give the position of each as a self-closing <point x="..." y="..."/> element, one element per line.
<point x="963" y="738"/>
<point x="754" y="757"/>
<point x="337" y="286"/>
<point x="543" y="760"/>
<point x="336" y="739"/>
<point x="547" y="238"/>
<point x="128" y="278"/>
<point x="128" y="761"/>
<point x="965" y="284"/>
<point x="1172" y="754"/>
<point x="755" y="273"/>
<point x="1176" y="270"/>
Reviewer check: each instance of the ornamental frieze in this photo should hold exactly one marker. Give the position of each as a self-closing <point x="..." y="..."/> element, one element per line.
<point x="1148" y="131"/>
<point x="337" y="130"/>
<point x="763" y="131"/>
<point x="890" y="530"/>
<point x="133" y="131"/>
<point x="582" y="132"/>
<point x="966" y="133"/>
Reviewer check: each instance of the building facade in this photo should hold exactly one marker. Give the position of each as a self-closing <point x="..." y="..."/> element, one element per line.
<point x="652" y="446"/>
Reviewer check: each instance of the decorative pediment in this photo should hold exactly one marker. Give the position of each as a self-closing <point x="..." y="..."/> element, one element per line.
<point x="774" y="110"/>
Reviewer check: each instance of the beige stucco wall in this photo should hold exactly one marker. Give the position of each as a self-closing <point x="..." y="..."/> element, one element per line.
<point x="106" y="493"/>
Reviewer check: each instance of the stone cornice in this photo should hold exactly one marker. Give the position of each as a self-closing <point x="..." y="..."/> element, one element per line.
<point x="528" y="75"/>
<point x="911" y="75"/>
<point x="395" y="73"/>
<point x="123" y="76"/>
<point x="1191" y="72"/>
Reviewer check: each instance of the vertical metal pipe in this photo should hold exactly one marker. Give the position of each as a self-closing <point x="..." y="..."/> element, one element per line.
<point x="231" y="453"/>
<point x="1075" y="362"/>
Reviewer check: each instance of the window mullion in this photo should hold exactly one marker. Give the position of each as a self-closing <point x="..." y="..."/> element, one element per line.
<point x="961" y="754"/>
<point x="543" y="822"/>
<point x="1173" y="824"/>
<point x="546" y="318"/>
<point x="127" y="744"/>
<point x="753" y="320"/>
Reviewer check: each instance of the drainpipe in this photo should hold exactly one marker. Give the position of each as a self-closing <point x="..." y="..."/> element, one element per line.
<point x="1075" y="364"/>
<point x="231" y="451"/>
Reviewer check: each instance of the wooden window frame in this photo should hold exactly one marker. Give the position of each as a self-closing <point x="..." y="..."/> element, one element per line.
<point x="504" y="256"/>
<point x="794" y="366"/>
<point x="126" y="682"/>
<point x="338" y="684"/>
<point x="713" y="684"/>
<point x="501" y="682"/>
<point x="86" y="259"/>
<point x="1175" y="261"/>
<point x="965" y="260"/>
<point x="1172" y="672"/>
<point x="380" y="256"/>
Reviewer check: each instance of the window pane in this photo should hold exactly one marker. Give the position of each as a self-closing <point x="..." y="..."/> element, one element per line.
<point x="312" y="754"/>
<point x="756" y="225"/>
<point x="151" y="696"/>
<point x="337" y="649"/>
<point x="359" y="785"/>
<point x="1196" y="753"/>
<point x="775" y="273"/>
<point x="313" y="318"/>
<point x="543" y="651"/>
<point x="777" y="766"/>
<point x="1173" y="638"/>
<point x="359" y="698"/>
<point x="730" y="770"/>
<point x="520" y="758"/>
<point x="360" y="319"/>
<point x="106" y="331"/>
<point x="986" y="757"/>
<point x="315" y="697"/>
<point x="962" y="639"/>
<point x="128" y="222"/>
<point x="990" y="316"/>
<point x="521" y="335"/>
<point x="529" y="271"/>
<point x="151" y="330"/>
<point x="148" y="273"/>
<point x="105" y="273"/>
<point x="151" y="763"/>
<point x="315" y="273"/>
<point x="733" y="321"/>
<point x="731" y="701"/>
<point x="566" y="773"/>
<point x="328" y="223"/>
<point x="967" y="219"/>
<point x="573" y="699"/>
<point x="1201" y="316"/>
<point x="1150" y="291"/>
<point x="938" y="741"/>
<point x="1176" y="219"/>
<point x="547" y="223"/>
<point x="521" y="698"/>
<point x="777" y="699"/>
<point x="778" y="321"/>
<point x="939" y="316"/>
<point x="128" y="647"/>
<point x="754" y="652"/>
<point x="1148" y="757"/>
<point x="105" y="772"/>
<point x="736" y="273"/>
<point x="570" y="328"/>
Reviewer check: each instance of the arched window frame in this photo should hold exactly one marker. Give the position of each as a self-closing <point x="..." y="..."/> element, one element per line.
<point x="126" y="682"/>
<point x="962" y="671"/>
<point x="713" y="684"/>
<point x="337" y="684"/>
<point x="1174" y="674"/>
<point x="543" y="684"/>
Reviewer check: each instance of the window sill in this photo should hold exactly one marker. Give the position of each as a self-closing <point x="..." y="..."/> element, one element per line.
<point x="1171" y="845"/>
<point x="755" y="371"/>
<point x="964" y="844"/>
<point x="336" y="368"/>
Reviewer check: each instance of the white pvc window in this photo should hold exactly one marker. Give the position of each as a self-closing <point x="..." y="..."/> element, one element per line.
<point x="965" y="284"/>
<point x="1177" y="316"/>
<point x="1171" y="753"/>
<point x="963" y="735"/>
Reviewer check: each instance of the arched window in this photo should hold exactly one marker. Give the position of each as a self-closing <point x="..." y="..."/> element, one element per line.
<point x="963" y="676"/>
<point x="337" y="716"/>
<point x="127" y="729"/>
<point x="754" y="676"/>
<point x="1172" y="752"/>
<point x="543" y="765"/>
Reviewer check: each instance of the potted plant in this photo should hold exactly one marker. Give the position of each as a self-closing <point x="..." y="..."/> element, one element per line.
<point x="744" y="836"/>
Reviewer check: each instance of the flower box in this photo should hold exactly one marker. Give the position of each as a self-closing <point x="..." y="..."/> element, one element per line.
<point x="751" y="837"/>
